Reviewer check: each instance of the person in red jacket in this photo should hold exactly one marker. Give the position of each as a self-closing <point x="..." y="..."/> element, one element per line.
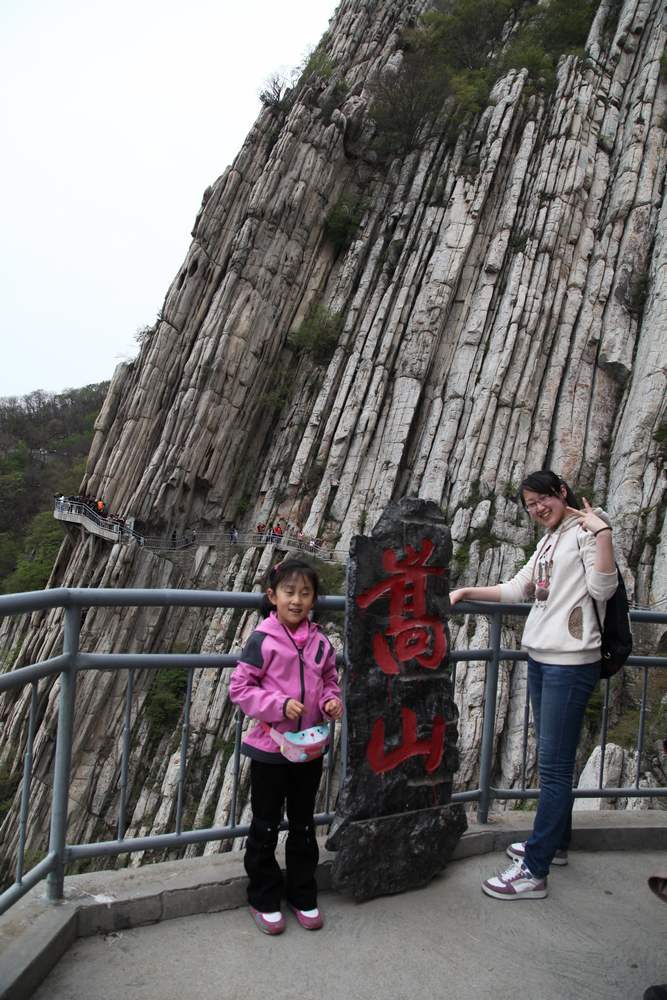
<point x="285" y="679"/>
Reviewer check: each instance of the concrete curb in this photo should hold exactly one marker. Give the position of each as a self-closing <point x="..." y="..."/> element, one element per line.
<point x="35" y="934"/>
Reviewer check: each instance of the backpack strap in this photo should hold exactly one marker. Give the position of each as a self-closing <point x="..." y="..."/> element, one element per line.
<point x="593" y="601"/>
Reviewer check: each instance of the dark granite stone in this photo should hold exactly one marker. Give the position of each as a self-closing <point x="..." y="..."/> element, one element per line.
<point x="401" y="721"/>
<point x="377" y="857"/>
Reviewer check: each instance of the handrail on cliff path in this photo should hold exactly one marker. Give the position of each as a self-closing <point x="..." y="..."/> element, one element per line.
<point x="73" y="660"/>
<point x="115" y="530"/>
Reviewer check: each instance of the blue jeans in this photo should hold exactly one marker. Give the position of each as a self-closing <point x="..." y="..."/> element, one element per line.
<point x="558" y="696"/>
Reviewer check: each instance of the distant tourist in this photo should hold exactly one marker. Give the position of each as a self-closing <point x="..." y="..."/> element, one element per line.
<point x="570" y="573"/>
<point x="271" y="688"/>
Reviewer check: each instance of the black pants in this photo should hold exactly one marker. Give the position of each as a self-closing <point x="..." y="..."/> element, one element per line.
<point x="273" y="785"/>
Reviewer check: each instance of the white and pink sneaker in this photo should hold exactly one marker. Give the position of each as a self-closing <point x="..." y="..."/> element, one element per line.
<point x="312" y="920"/>
<point x="268" y="923"/>
<point x="517" y="882"/>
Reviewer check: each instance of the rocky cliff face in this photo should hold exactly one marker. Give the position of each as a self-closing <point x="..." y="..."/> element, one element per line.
<point x="501" y="305"/>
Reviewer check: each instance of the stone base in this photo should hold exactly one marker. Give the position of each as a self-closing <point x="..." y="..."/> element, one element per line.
<point x="377" y="857"/>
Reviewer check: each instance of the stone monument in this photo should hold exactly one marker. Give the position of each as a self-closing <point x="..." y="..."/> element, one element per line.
<point x="395" y="826"/>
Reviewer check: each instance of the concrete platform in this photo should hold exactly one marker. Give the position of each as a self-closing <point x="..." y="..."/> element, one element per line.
<point x="601" y="933"/>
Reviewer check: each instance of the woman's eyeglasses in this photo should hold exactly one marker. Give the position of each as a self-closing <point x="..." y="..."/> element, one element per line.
<point x="534" y="504"/>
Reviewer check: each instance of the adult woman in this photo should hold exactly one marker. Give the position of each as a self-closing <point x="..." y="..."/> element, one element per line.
<point x="572" y="566"/>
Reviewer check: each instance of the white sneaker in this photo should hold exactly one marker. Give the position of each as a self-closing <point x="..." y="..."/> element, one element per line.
<point x="517" y="882"/>
<point x="518" y="852"/>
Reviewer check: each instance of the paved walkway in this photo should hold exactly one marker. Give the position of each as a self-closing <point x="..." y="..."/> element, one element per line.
<point x="600" y="934"/>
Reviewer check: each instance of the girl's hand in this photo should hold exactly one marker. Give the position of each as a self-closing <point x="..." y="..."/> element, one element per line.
<point x="293" y="709"/>
<point x="587" y="518"/>
<point x="334" y="708"/>
<point x="457" y="595"/>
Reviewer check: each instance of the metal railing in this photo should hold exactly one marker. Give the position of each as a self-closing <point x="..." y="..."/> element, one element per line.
<point x="114" y="529"/>
<point x="72" y="660"/>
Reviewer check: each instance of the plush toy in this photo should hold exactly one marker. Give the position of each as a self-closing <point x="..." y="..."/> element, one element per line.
<point x="299" y="747"/>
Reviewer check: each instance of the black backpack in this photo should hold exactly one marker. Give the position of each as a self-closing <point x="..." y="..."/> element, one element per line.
<point x="616" y="635"/>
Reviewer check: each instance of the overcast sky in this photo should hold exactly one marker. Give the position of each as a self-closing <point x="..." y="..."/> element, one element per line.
<point x="115" y="118"/>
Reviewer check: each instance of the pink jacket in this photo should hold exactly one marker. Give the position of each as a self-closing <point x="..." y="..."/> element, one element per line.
<point x="276" y="665"/>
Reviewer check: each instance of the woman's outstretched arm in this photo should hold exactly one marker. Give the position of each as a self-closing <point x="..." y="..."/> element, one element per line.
<point x="474" y="594"/>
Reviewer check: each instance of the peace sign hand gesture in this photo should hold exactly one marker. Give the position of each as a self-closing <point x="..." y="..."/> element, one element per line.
<point x="588" y="519"/>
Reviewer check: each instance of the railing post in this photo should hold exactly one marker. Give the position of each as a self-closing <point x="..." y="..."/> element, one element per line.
<point x="490" y="692"/>
<point x="61" y="773"/>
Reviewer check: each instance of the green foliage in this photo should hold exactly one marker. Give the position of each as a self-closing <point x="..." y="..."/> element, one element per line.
<point x="275" y="396"/>
<point x="335" y="95"/>
<point x="243" y="505"/>
<point x="563" y="25"/>
<point x="406" y="106"/>
<point x="164" y="701"/>
<point x="320" y="64"/>
<point x="470" y="89"/>
<point x="593" y="712"/>
<point x="332" y="582"/>
<point x="525" y="805"/>
<point x="41" y="542"/>
<point x="455" y="55"/>
<point x="318" y="335"/>
<point x="9" y="552"/>
<point x="486" y="539"/>
<point x="44" y="439"/>
<point x="547" y="32"/>
<point x="343" y="220"/>
<point x="527" y="53"/>
<point x="510" y="491"/>
<point x="332" y="578"/>
<point x="461" y="32"/>
<point x="8" y="785"/>
<point x="637" y="292"/>
<point x="518" y="243"/>
<point x="32" y="856"/>
<point x="41" y="418"/>
<point x="660" y="438"/>
<point x="625" y="729"/>
<point x="313" y="477"/>
<point x="474" y="493"/>
<point x="461" y="558"/>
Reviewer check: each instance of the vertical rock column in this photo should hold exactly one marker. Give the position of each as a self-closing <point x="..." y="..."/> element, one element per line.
<point x="394" y="826"/>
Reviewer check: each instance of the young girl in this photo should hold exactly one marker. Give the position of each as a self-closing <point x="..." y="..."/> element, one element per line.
<point x="286" y="677"/>
<point x="572" y="567"/>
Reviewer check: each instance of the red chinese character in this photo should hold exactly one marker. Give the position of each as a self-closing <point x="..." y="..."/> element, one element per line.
<point x="413" y="630"/>
<point x="410" y="746"/>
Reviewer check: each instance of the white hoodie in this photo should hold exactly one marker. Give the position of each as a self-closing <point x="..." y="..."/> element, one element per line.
<point x="563" y="628"/>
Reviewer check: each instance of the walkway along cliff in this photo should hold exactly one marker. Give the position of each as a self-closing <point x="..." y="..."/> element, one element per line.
<point x="354" y="323"/>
